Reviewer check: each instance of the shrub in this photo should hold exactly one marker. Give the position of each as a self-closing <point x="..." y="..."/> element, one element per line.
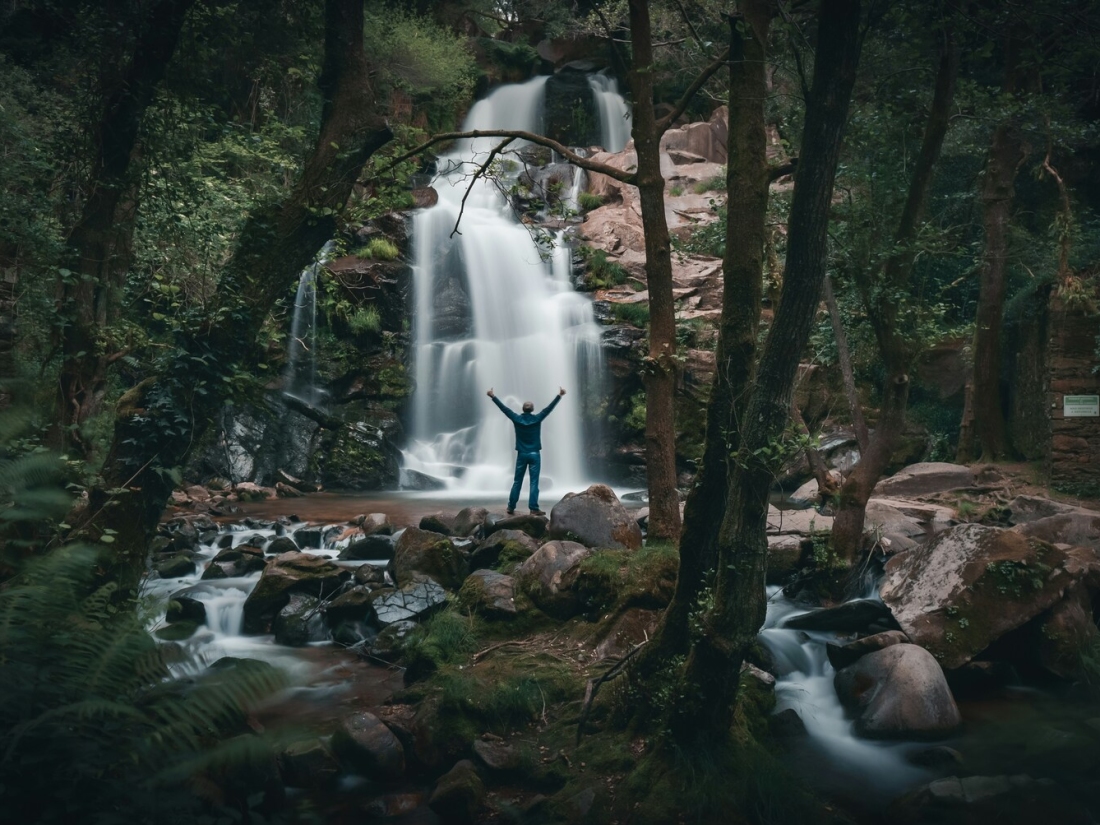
<point x="715" y="184"/>
<point x="634" y="314"/>
<point x="365" y="319"/>
<point x="588" y="201"/>
<point x="602" y="273"/>
<point x="676" y="191"/>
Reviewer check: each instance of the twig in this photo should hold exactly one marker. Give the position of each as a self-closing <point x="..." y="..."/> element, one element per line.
<point x="480" y="171"/>
<point x="593" y="686"/>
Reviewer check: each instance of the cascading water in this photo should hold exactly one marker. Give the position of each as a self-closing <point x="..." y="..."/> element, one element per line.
<point x="301" y="356"/>
<point x="613" y="110"/>
<point x="494" y="308"/>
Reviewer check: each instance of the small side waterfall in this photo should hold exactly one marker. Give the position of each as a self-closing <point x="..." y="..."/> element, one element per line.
<point x="494" y="308"/>
<point x="301" y="356"/>
<point x="614" y="112"/>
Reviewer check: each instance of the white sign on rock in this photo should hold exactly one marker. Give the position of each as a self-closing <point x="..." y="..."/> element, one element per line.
<point x="1081" y="406"/>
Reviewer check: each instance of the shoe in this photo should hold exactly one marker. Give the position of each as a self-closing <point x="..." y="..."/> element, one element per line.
<point x="538" y="513"/>
<point x="510" y="512"/>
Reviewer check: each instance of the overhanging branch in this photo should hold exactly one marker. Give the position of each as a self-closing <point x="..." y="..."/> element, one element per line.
<point x="696" y="85"/>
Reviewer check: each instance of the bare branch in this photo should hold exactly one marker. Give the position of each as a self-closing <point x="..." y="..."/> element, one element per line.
<point x="568" y="154"/>
<point x="696" y="85"/>
<point x="689" y="24"/>
<point x="778" y="171"/>
<point x="480" y="171"/>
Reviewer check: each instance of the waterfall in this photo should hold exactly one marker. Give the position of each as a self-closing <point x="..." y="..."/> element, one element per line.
<point x="301" y="354"/>
<point x="613" y="110"/>
<point x="494" y="308"/>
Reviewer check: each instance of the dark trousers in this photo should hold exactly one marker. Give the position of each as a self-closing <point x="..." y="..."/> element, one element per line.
<point x="523" y="461"/>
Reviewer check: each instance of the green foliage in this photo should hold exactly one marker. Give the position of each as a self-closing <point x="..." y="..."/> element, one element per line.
<point x="589" y="201"/>
<point x="708" y="239"/>
<point x="378" y="249"/>
<point x="448" y="637"/>
<point x="628" y="578"/>
<point x="636" y="315"/>
<point x="602" y="273"/>
<point x="365" y="319"/>
<point x="714" y="184"/>
<point x="633" y="421"/>
<point x="675" y="191"/>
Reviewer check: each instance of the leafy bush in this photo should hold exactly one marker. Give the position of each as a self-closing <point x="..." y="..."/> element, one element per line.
<point x="715" y="184"/>
<point x="602" y="273"/>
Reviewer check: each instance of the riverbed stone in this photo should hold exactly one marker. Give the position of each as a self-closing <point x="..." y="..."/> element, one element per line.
<point x="972" y="584"/>
<point x="841" y="656"/>
<point x="309" y="537"/>
<point x="390" y="642"/>
<point x="371" y="575"/>
<point x="353" y="604"/>
<point x="299" y="622"/>
<point x="926" y="478"/>
<point x="375" y="547"/>
<point x="284" y="574"/>
<point x="898" y="691"/>
<point x="547" y="577"/>
<point x="1007" y="800"/>
<point x="438" y="523"/>
<point x="856" y="616"/>
<point x="534" y="526"/>
<point x="469" y="520"/>
<point x="422" y="554"/>
<point x="183" y="608"/>
<point x="415" y="600"/>
<point x="235" y="561"/>
<point x="595" y="518"/>
<point x="503" y="547"/>
<point x="364" y="743"/>
<point x="308" y="764"/>
<point x="488" y="593"/>
<point x="499" y="757"/>
<point x="175" y="567"/>
<point x="280" y="545"/>
<point x="459" y="794"/>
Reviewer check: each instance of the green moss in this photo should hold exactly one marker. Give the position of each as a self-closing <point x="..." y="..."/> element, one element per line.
<point x="177" y="632"/>
<point x="588" y="201"/>
<point x="512" y="553"/>
<point x="628" y="578"/>
<point x="634" y="314"/>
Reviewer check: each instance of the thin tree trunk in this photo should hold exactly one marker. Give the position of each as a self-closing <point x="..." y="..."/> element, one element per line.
<point x="735" y="358"/>
<point x="883" y="310"/>
<point x="660" y="367"/>
<point x="844" y="358"/>
<point x="712" y="672"/>
<point x="100" y="245"/>
<point x="159" y="420"/>
<point x="987" y="427"/>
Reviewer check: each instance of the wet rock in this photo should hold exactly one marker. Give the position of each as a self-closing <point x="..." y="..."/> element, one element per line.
<point x="392" y="805"/>
<point x="367" y="746"/>
<point x="285" y="574"/>
<point x="438" y="523"/>
<point x="856" y="616"/>
<point x="308" y="764"/>
<point x="286" y="491"/>
<point x="469" y="520"/>
<point x="1007" y="800"/>
<point x="972" y="584"/>
<point x="390" y="642"/>
<point x="375" y="524"/>
<point x="458" y="794"/>
<point x="513" y="546"/>
<point x="309" y="538"/>
<point x="925" y="479"/>
<point x="787" y="724"/>
<point x="416" y="480"/>
<point x="534" y="526"/>
<point x="351" y="633"/>
<point x="235" y="561"/>
<point x="413" y="601"/>
<point x="1077" y="528"/>
<point x="841" y="656"/>
<point x="547" y="577"/>
<point x="488" y="593"/>
<point x="422" y="554"/>
<point x="183" y="608"/>
<point x="785" y="557"/>
<point x="632" y="627"/>
<point x="300" y="485"/>
<point x="175" y="567"/>
<point x="372" y="575"/>
<point x="352" y="605"/>
<point x="376" y="547"/>
<point x="498" y="756"/>
<point x="299" y="622"/>
<point x="177" y="632"/>
<point x="980" y="678"/>
<point x="280" y="545"/>
<point x="595" y="518"/>
<point x="898" y="691"/>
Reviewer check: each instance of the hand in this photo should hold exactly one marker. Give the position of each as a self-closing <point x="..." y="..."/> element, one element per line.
<point x="561" y="391"/>
<point x="490" y="393"/>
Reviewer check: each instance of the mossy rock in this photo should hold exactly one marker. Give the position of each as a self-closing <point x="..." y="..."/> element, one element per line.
<point x="177" y="631"/>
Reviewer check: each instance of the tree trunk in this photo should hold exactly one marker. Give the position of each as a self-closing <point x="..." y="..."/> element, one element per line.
<point x="100" y="245"/>
<point x="987" y="427"/>
<point x="660" y="368"/>
<point x="159" y="420"/>
<point x="844" y="358"/>
<point x="712" y="672"/>
<point x="735" y="359"/>
<point x="886" y="316"/>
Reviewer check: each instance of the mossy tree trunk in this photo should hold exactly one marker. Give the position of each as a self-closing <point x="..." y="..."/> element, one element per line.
<point x="160" y="419"/>
<point x="712" y="671"/>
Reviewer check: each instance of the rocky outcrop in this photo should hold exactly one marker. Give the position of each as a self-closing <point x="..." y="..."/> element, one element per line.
<point x="503" y="547"/>
<point x="422" y="554"/>
<point x="898" y="691"/>
<point x="595" y="518"/>
<point x="286" y="574"/>
<point x="973" y="584"/>
<point x="488" y="593"/>
<point x="926" y="478"/>
<point x="413" y="601"/>
<point x="1078" y="527"/>
<point x="365" y="744"/>
<point x="547" y="577"/>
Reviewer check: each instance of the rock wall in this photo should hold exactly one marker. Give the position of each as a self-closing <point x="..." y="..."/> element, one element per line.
<point x="1074" y="442"/>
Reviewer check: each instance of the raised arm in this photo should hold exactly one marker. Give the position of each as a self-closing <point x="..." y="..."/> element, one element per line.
<point x="512" y="415"/>
<point x="550" y="406"/>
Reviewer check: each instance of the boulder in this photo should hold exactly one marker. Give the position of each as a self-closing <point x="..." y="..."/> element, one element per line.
<point x="438" y="523"/>
<point x="469" y="520"/>
<point x="308" y="764"/>
<point x="898" y="691"/>
<point x="883" y="517"/>
<point x="416" y="480"/>
<point x="422" y="554"/>
<point x="489" y="593"/>
<point x="1068" y="629"/>
<point x="375" y="547"/>
<point x="235" y="561"/>
<point x="280" y="545"/>
<point x="785" y="554"/>
<point x="299" y="622"/>
<point x="413" y="601"/>
<point x="175" y="567"/>
<point x="390" y="642"/>
<point x="856" y="616"/>
<point x="458" y="794"/>
<point x="1080" y="528"/>
<point x="375" y="523"/>
<point x="182" y="608"/>
<point x="631" y="627"/>
<point x="926" y="478"/>
<point x="1007" y="800"/>
<point x="797" y="522"/>
<point x="841" y="656"/>
<point x="547" y="577"/>
<point x="366" y="745"/>
<point x="509" y="546"/>
<point x="534" y="526"/>
<point x="497" y="756"/>
<point x="372" y="575"/>
<point x="595" y="518"/>
<point x="285" y="574"/>
<point x="309" y="538"/>
<point x="354" y="604"/>
<point x="1023" y="509"/>
<point x="972" y="584"/>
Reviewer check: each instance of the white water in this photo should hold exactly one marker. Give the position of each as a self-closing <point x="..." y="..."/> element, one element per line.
<point x="613" y="110"/>
<point x="531" y="334"/>
<point x="805" y="683"/>
<point x="301" y="357"/>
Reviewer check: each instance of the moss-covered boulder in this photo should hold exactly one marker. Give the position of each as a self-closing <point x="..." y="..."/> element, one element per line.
<point x="595" y="518"/>
<point x="286" y="574"/>
<point x="364" y="743"/>
<point x="422" y="554"/>
<point x="459" y="794"/>
<point x="502" y="550"/>
<point x="488" y="593"/>
<point x="299" y="622"/>
<point x="548" y="577"/>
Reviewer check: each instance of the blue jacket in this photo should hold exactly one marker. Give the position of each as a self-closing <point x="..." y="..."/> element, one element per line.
<point x="528" y="425"/>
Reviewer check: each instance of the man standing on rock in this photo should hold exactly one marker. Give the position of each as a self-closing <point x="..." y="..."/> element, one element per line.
<point x="528" y="446"/>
